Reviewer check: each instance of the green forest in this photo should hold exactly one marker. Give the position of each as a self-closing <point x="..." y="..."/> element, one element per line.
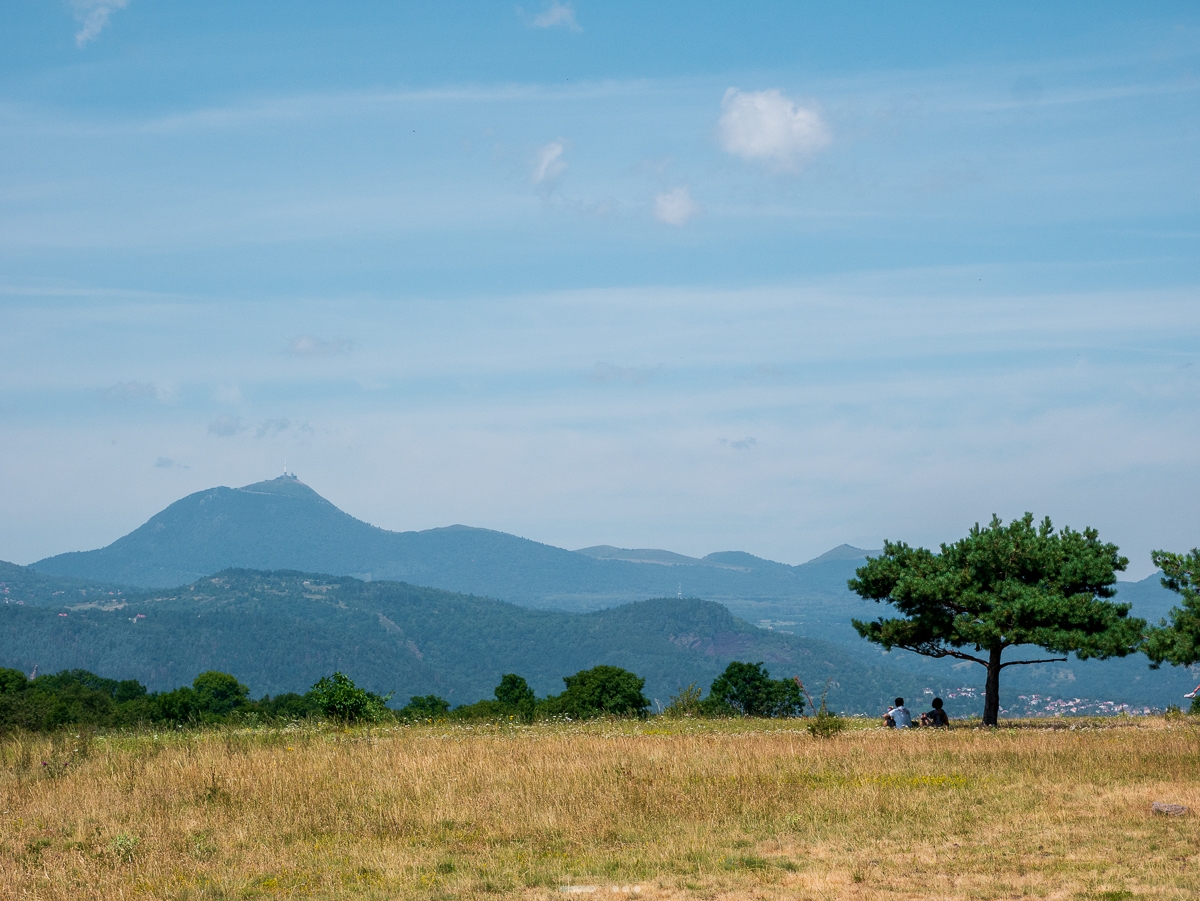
<point x="280" y="632"/>
<point x="78" y="698"/>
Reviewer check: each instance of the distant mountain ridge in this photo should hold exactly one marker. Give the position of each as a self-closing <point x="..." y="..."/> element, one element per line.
<point x="284" y="524"/>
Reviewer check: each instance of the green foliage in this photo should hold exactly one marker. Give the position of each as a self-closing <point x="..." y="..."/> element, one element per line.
<point x="747" y="689"/>
<point x="826" y="723"/>
<point x="687" y="703"/>
<point x="1178" y="642"/>
<point x="338" y="698"/>
<point x="12" y="681"/>
<point x="514" y="700"/>
<point x="599" y="691"/>
<point x="288" y="706"/>
<point x="424" y="707"/>
<point x="219" y="694"/>
<point x="999" y="587"/>
<point x="72" y="697"/>
<point x="250" y="623"/>
<point x="514" y="691"/>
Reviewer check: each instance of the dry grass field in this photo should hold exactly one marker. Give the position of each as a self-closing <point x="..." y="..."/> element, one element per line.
<point x="663" y="809"/>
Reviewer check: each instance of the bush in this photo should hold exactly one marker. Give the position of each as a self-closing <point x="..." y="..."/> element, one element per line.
<point x="288" y="706"/>
<point x="424" y="707"/>
<point x="338" y="698"/>
<point x="599" y="691"/>
<point x="826" y="724"/>
<point x="687" y="703"/>
<point x="747" y="689"/>
<point x="514" y="699"/>
<point x="514" y="691"/>
<point x="219" y="694"/>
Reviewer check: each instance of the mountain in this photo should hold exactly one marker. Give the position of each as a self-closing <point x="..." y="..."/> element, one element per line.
<point x="284" y="524"/>
<point x="281" y="631"/>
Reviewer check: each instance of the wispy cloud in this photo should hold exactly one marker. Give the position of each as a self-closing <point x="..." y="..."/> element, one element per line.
<point x="548" y="164"/>
<point x="168" y="463"/>
<point x="127" y="391"/>
<point x="632" y="375"/>
<point x="92" y="16"/>
<point x="226" y="426"/>
<point x="675" y="207"/>
<point x="270" y="427"/>
<point x="123" y="392"/>
<point x="308" y="346"/>
<point x="228" y="393"/>
<point x="556" y="15"/>
<point x="767" y="126"/>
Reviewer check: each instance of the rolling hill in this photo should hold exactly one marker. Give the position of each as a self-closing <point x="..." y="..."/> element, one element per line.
<point x="281" y="631"/>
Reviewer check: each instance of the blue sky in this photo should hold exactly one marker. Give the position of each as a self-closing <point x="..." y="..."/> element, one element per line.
<point x="763" y="277"/>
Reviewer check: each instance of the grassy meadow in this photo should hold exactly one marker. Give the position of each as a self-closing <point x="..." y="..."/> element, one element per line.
<point x="659" y="809"/>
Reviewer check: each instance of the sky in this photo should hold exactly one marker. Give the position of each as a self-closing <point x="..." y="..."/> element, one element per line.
<point x="766" y="277"/>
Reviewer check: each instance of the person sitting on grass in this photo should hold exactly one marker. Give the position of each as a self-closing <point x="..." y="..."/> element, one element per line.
<point x="936" y="716"/>
<point x="898" y="717"/>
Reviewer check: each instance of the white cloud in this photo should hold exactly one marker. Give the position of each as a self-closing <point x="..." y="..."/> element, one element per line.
<point x="556" y="15"/>
<point x="549" y="164"/>
<point x="675" y="207"/>
<point x="92" y="16"/>
<point x="768" y="126"/>
<point x="308" y="346"/>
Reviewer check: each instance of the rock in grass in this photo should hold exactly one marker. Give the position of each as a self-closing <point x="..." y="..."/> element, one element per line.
<point x="1168" y="810"/>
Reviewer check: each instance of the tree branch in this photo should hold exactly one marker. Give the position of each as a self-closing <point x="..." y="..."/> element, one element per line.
<point x="936" y="651"/>
<point x="1025" y="662"/>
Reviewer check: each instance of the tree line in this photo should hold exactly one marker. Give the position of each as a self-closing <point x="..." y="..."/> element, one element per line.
<point x="76" y="698"/>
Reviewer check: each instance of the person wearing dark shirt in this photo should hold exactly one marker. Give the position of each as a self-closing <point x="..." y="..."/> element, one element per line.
<point x="936" y="716"/>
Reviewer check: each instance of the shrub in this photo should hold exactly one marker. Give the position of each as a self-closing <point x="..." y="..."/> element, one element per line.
<point x="686" y="703"/>
<point x="600" y="691"/>
<point x="424" y="707"/>
<point x="748" y="689"/>
<point x="826" y="723"/>
<point x="289" y="706"/>
<point x="338" y="698"/>
<point x="218" y="694"/>
<point x="514" y="691"/>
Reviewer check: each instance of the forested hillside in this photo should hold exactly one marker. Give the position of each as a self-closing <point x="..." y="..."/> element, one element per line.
<point x="281" y="631"/>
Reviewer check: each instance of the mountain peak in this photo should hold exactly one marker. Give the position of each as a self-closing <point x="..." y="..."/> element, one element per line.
<point x="842" y="552"/>
<point x="286" y="485"/>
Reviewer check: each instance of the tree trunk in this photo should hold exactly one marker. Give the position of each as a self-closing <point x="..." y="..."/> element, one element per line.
<point x="991" y="692"/>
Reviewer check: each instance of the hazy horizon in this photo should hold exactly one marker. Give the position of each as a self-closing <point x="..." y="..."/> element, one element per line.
<point x="771" y="279"/>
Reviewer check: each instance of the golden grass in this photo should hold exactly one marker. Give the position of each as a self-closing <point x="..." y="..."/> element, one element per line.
<point x="675" y="809"/>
